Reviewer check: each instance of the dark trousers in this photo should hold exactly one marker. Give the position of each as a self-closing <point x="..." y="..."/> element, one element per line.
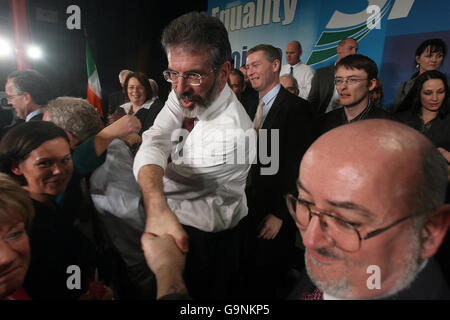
<point x="213" y="263"/>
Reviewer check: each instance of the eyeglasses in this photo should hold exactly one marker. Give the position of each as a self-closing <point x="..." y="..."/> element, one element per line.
<point x="349" y="81"/>
<point x="191" y="78"/>
<point x="137" y="88"/>
<point x="341" y="233"/>
<point x="12" y="96"/>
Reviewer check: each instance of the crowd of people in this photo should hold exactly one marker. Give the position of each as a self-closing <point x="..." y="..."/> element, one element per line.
<point x="266" y="181"/>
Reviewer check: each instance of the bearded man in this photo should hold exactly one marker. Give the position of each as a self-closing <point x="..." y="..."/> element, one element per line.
<point x="192" y="185"/>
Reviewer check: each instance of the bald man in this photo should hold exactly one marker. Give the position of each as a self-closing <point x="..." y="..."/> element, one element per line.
<point x="323" y="96"/>
<point x="300" y="71"/>
<point x="371" y="214"/>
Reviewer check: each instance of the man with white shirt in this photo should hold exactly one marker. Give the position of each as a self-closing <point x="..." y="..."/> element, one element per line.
<point x="197" y="196"/>
<point x="300" y="71"/>
<point x="370" y="209"/>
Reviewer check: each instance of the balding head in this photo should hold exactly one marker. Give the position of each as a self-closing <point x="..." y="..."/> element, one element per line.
<point x="293" y="52"/>
<point x="371" y="173"/>
<point x="346" y="47"/>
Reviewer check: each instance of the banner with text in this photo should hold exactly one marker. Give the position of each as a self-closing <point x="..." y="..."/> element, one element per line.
<point x="388" y="31"/>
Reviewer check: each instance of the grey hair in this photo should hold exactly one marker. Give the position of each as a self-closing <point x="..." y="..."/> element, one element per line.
<point x="32" y="82"/>
<point x="199" y="30"/>
<point x="75" y="115"/>
<point x="123" y="74"/>
<point x="432" y="188"/>
<point x="292" y="78"/>
<point x="154" y="86"/>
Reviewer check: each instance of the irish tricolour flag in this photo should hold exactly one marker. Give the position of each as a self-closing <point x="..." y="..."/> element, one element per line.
<point x="94" y="91"/>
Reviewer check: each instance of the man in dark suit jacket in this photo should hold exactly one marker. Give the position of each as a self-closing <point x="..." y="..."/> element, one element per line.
<point x="370" y="209"/>
<point x="322" y="88"/>
<point x="288" y="124"/>
<point x="28" y="91"/>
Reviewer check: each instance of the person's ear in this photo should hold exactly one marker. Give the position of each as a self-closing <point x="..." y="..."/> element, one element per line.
<point x="27" y="98"/>
<point x="15" y="168"/>
<point x="73" y="141"/>
<point x="434" y="230"/>
<point x="417" y="60"/>
<point x="372" y="84"/>
<point x="276" y="65"/>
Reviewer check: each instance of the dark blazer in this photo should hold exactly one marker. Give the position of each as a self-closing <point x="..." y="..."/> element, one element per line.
<point x="148" y="116"/>
<point x="429" y="284"/>
<point x="292" y="117"/>
<point x="322" y="87"/>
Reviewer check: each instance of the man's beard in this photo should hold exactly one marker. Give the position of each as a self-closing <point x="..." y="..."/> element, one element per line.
<point x="341" y="288"/>
<point x="200" y="104"/>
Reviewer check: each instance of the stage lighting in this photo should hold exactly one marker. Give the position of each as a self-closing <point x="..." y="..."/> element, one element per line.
<point x="34" y="52"/>
<point x="5" y="48"/>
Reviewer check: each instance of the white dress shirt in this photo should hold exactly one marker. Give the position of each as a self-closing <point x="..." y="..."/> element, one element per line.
<point x="117" y="199"/>
<point x="205" y="190"/>
<point x="303" y="74"/>
<point x="147" y="104"/>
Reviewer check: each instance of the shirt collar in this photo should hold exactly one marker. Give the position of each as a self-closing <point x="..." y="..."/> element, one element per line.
<point x="297" y="64"/>
<point x="218" y="105"/>
<point x="271" y="94"/>
<point x="147" y="104"/>
<point x="33" y="114"/>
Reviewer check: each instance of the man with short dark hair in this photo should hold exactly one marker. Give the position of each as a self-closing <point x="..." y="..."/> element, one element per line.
<point x="28" y="91"/>
<point x="236" y="82"/>
<point x="370" y="209"/>
<point x="297" y="69"/>
<point x="323" y="96"/>
<point x="288" y="118"/>
<point x="198" y="195"/>
<point x="356" y="76"/>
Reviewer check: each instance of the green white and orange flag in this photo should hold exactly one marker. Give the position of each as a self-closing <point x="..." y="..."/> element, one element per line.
<point x="94" y="91"/>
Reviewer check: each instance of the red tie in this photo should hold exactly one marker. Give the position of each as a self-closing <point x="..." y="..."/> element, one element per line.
<point x="315" y="295"/>
<point x="189" y="123"/>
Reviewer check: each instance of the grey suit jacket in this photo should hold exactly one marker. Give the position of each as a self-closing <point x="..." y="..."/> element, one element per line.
<point x="322" y="88"/>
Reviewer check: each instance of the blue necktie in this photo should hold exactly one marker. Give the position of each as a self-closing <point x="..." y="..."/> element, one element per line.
<point x="292" y="71"/>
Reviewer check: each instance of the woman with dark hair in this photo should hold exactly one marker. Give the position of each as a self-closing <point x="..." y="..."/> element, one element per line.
<point x="16" y="214"/>
<point x="139" y="93"/>
<point x="428" y="102"/>
<point x="37" y="155"/>
<point x="429" y="56"/>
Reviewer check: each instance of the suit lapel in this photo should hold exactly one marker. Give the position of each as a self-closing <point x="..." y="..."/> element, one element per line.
<point x="275" y="109"/>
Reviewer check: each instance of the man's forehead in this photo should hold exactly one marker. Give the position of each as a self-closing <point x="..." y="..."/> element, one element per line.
<point x="234" y="78"/>
<point x="344" y="71"/>
<point x="287" y="81"/>
<point x="193" y="59"/>
<point x="10" y="85"/>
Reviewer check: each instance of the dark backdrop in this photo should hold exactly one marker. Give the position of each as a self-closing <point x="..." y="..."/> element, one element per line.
<point x="121" y="34"/>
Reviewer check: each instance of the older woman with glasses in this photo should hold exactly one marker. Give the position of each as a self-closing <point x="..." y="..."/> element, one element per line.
<point x="16" y="214"/>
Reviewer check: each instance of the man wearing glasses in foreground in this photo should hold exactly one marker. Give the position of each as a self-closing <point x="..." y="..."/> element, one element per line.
<point x="356" y="76"/>
<point x="198" y="195"/>
<point x="374" y="204"/>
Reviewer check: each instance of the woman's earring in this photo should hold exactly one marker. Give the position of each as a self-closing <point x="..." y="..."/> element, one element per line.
<point x="417" y="66"/>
